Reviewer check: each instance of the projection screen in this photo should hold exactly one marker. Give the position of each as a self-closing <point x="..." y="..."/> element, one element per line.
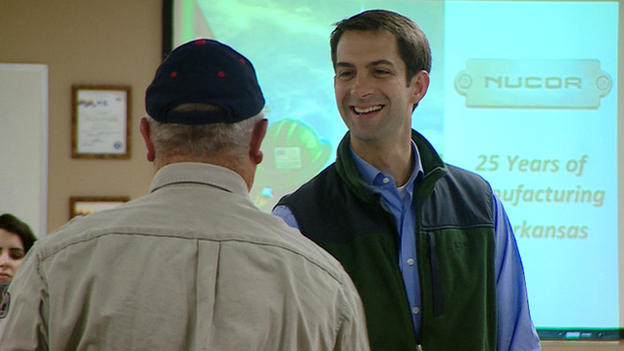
<point x="524" y="93"/>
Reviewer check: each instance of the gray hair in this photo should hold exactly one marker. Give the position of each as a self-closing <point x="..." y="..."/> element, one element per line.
<point x="202" y="141"/>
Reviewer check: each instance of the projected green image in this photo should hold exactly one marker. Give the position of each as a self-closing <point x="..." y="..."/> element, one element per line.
<point x="288" y="43"/>
<point x="293" y="153"/>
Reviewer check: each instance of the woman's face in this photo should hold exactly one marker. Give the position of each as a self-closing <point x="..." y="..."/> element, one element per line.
<point x="11" y="255"/>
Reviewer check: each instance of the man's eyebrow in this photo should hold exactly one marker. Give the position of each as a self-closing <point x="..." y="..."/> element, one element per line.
<point x="380" y="62"/>
<point x="372" y="64"/>
<point x="344" y="64"/>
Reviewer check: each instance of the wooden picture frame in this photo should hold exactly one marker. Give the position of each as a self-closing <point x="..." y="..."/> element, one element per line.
<point x="83" y="205"/>
<point x="101" y="121"/>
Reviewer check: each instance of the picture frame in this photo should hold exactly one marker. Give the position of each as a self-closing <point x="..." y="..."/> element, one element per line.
<point x="101" y="121"/>
<point x="84" y="205"/>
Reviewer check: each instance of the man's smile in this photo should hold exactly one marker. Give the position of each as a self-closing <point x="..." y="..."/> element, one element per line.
<point x="364" y="110"/>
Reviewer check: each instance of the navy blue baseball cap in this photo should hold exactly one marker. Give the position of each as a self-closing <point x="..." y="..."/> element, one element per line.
<point x="204" y="71"/>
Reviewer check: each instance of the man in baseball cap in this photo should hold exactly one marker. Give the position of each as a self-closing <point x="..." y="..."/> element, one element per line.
<point x="194" y="264"/>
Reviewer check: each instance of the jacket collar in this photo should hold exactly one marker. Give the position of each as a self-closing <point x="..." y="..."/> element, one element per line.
<point x="433" y="166"/>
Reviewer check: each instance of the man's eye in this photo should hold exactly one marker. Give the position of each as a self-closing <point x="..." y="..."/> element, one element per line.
<point x="345" y="74"/>
<point x="380" y="72"/>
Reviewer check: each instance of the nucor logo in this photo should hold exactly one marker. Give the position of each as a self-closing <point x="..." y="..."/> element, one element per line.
<point x="532" y="82"/>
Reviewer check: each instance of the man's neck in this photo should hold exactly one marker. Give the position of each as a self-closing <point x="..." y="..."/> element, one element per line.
<point x="395" y="159"/>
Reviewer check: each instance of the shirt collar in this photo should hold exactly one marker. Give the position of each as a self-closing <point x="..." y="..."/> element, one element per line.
<point x="199" y="173"/>
<point x="370" y="173"/>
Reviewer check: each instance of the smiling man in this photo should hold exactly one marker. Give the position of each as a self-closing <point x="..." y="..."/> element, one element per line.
<point x="428" y="245"/>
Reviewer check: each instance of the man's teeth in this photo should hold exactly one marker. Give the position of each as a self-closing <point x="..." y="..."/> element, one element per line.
<point x="367" y="110"/>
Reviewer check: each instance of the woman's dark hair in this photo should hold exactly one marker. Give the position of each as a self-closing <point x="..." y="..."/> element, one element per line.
<point x="12" y="224"/>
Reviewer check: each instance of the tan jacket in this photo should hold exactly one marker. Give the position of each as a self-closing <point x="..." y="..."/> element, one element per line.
<point x="191" y="266"/>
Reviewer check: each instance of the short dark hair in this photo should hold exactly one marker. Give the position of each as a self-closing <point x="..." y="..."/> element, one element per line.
<point x="412" y="43"/>
<point x="12" y="224"/>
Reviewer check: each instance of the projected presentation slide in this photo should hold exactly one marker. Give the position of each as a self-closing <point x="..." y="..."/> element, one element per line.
<point x="523" y="93"/>
<point x="530" y="103"/>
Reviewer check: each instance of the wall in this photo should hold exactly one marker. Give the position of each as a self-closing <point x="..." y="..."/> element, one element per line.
<point x="113" y="42"/>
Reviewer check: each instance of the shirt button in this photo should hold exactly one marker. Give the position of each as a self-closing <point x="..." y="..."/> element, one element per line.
<point x="386" y="180"/>
<point x="416" y="310"/>
<point x="410" y="261"/>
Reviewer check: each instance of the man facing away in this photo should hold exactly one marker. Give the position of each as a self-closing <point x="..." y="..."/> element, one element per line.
<point x="428" y="245"/>
<point x="193" y="265"/>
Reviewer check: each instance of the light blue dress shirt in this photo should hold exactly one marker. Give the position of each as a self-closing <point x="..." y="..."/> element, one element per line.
<point x="399" y="202"/>
<point x="515" y="327"/>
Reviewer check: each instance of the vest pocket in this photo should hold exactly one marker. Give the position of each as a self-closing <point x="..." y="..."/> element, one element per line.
<point x="436" y="283"/>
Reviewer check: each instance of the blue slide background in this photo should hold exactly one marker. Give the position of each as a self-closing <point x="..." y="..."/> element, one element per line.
<point x="572" y="282"/>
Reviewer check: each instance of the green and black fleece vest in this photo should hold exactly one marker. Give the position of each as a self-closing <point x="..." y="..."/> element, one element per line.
<point x="455" y="247"/>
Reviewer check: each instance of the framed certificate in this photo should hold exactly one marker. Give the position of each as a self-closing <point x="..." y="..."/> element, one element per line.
<point x="101" y="121"/>
<point x="83" y="205"/>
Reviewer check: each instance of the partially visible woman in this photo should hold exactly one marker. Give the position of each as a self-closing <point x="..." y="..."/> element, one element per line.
<point x="16" y="239"/>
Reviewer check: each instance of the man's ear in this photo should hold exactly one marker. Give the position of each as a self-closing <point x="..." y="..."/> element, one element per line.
<point x="147" y="136"/>
<point x="257" y="136"/>
<point x="419" y="84"/>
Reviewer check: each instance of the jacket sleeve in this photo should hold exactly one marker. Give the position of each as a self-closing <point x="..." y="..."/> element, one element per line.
<point x="515" y="327"/>
<point x="352" y="334"/>
<point x="23" y="323"/>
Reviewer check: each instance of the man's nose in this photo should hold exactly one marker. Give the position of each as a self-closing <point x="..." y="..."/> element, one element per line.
<point x="362" y="86"/>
